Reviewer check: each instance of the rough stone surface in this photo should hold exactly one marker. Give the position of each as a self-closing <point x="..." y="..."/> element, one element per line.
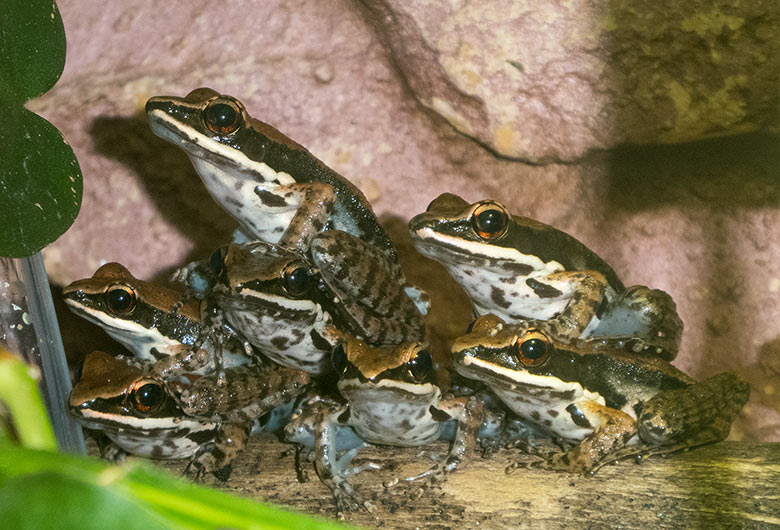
<point x="542" y="81"/>
<point x="697" y="220"/>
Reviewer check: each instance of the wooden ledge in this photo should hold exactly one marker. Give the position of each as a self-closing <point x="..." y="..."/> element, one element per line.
<point x="725" y="485"/>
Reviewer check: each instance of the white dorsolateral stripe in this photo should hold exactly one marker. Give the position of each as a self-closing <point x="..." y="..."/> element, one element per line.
<point x="228" y="152"/>
<point x="489" y="251"/>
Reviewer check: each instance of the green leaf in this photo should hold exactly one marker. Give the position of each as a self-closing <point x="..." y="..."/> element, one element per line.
<point x="179" y="503"/>
<point x="52" y="500"/>
<point x="40" y="179"/>
<point x="40" y="183"/>
<point x="19" y="392"/>
<point x="32" y="48"/>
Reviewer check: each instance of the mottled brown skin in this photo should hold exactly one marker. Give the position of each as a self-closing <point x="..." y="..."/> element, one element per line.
<point x="247" y="394"/>
<point x="649" y="406"/>
<point x="368" y="288"/>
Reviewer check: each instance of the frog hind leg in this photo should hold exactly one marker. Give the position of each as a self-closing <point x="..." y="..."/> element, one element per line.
<point x="645" y="319"/>
<point x="680" y="419"/>
<point x="677" y="416"/>
<point x="185" y="360"/>
<point x="371" y="288"/>
<point x="613" y="431"/>
<point x="217" y="455"/>
<point x="250" y="392"/>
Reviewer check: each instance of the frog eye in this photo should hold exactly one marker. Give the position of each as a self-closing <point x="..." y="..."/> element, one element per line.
<point x="490" y="220"/>
<point x="217" y="260"/>
<point x="420" y="366"/>
<point x="147" y="398"/>
<point x="534" y="349"/>
<point x="339" y="359"/>
<point x="120" y="299"/>
<point x="222" y="116"/>
<point x="296" y="280"/>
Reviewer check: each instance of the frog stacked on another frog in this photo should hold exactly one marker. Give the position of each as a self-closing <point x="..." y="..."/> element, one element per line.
<point x="281" y="194"/>
<point x="526" y="271"/>
<point x="161" y="332"/>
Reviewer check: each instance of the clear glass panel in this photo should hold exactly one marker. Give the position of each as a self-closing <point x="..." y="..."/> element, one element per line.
<point x="28" y="327"/>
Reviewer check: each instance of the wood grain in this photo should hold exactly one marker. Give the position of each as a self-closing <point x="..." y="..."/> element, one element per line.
<point x="726" y="485"/>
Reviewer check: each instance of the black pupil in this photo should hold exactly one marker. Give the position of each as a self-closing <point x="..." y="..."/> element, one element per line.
<point x="221" y="115"/>
<point x="149" y="396"/>
<point x="216" y="261"/>
<point x="534" y="348"/>
<point x="491" y="221"/>
<point x="120" y="300"/>
<point x="421" y="365"/>
<point x="296" y="281"/>
<point x="339" y="359"/>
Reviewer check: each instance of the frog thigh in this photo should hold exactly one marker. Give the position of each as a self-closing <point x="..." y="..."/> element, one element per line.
<point x="646" y="314"/>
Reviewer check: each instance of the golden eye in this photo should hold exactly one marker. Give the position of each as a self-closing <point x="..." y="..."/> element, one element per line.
<point x="147" y="397"/>
<point x="296" y="279"/>
<point x="533" y="349"/>
<point x="490" y="220"/>
<point x="222" y="116"/>
<point x="120" y="299"/>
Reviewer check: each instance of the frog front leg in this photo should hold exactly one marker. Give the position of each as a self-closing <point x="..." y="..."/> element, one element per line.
<point x="314" y="202"/>
<point x="217" y="455"/>
<point x="612" y="431"/>
<point x="371" y="288"/>
<point x="185" y="360"/>
<point x="331" y="466"/>
<point x="469" y="414"/>
<point x="585" y="289"/>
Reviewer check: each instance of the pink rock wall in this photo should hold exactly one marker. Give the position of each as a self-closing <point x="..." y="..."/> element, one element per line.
<point x="697" y="220"/>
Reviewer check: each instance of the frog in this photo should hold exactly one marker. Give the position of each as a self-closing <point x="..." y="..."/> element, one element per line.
<point x="520" y="269"/>
<point x="140" y="414"/>
<point x="154" y="323"/>
<point x="281" y="303"/>
<point x="390" y="398"/>
<point x="607" y="404"/>
<point x="276" y="189"/>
